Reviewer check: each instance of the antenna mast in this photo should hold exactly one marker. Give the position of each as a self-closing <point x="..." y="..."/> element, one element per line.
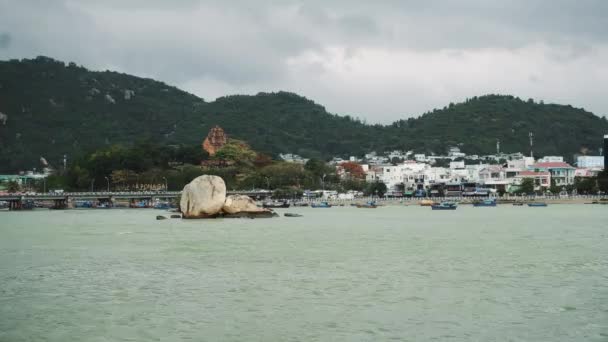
<point x="531" y="136"/>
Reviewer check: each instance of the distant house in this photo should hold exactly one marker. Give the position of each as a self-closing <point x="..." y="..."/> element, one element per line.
<point x="542" y="179"/>
<point x="494" y="177"/>
<point x="293" y="158"/>
<point x="551" y="159"/>
<point x="562" y="173"/>
<point x="457" y="164"/>
<point x="590" y="161"/>
<point x="583" y="172"/>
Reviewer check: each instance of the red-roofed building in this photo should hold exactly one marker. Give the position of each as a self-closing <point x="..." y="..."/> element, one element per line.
<point x="542" y="179"/>
<point x="562" y="173"/>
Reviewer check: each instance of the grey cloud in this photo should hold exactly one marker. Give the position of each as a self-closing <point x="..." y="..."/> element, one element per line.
<point x="249" y="46"/>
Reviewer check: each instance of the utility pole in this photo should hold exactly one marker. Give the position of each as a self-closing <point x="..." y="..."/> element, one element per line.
<point x="92" y="184"/>
<point x="531" y="136"/>
<point x="323" y="182"/>
<point x="108" y="183"/>
<point x="497" y="146"/>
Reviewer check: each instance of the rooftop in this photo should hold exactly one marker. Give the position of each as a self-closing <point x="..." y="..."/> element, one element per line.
<point x="553" y="165"/>
<point x="534" y="173"/>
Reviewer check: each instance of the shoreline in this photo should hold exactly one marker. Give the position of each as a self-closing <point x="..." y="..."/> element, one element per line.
<point x="601" y="200"/>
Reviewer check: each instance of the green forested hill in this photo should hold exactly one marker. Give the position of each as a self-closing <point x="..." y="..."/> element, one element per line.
<point x="55" y="109"/>
<point x="477" y="123"/>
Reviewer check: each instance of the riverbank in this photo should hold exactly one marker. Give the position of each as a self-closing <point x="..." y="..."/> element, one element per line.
<point x="468" y="200"/>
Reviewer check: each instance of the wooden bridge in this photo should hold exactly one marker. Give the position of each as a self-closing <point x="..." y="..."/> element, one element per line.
<point x="62" y="200"/>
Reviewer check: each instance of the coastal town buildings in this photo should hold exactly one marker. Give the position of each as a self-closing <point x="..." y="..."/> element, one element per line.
<point x="561" y="173"/>
<point x="496" y="173"/>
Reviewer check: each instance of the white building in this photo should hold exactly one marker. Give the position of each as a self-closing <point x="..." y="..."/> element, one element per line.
<point x="516" y="166"/>
<point x="293" y="158"/>
<point x="551" y="159"/>
<point x="420" y="157"/>
<point x="457" y="164"/>
<point x="590" y="161"/>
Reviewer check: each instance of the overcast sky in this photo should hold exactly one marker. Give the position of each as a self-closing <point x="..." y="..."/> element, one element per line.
<point x="378" y="60"/>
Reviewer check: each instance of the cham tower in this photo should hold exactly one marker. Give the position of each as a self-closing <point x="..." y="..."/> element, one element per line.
<point x="215" y="140"/>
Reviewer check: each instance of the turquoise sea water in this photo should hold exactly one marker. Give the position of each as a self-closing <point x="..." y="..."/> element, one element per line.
<point x="340" y="274"/>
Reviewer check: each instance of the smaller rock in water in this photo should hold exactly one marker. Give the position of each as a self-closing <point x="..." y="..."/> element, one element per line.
<point x="160" y="217"/>
<point x="251" y="215"/>
<point x="292" y="215"/>
<point x="176" y="216"/>
<point x="236" y="204"/>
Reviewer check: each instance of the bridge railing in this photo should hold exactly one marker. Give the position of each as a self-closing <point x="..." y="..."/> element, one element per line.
<point x="112" y="194"/>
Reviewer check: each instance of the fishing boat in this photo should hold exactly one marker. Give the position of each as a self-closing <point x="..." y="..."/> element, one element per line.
<point x="283" y="204"/>
<point x="444" y="206"/>
<point x="83" y="204"/>
<point x="140" y="204"/>
<point x="537" y="204"/>
<point x="519" y="204"/>
<point x="300" y="204"/>
<point x="321" y="205"/>
<point x="485" y="203"/>
<point x="370" y="205"/>
<point x="427" y="203"/>
<point x="162" y="205"/>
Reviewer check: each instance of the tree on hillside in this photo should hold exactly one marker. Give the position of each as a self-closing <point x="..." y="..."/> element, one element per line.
<point x="262" y="160"/>
<point x="354" y="170"/>
<point x="553" y="188"/>
<point x="585" y="185"/>
<point x="602" y="181"/>
<point x="283" y="174"/>
<point x="316" y="167"/>
<point x="376" y="189"/>
<point x="13" y="187"/>
<point x="527" y="186"/>
<point x="236" y="151"/>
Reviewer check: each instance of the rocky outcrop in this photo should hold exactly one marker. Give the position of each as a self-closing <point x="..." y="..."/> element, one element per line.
<point x="203" y="197"/>
<point x="110" y="99"/>
<point x="239" y="203"/>
<point x="215" y="140"/>
<point x="128" y="94"/>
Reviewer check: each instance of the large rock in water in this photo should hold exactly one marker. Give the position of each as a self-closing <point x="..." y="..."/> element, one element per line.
<point x="203" y="197"/>
<point x="239" y="203"/>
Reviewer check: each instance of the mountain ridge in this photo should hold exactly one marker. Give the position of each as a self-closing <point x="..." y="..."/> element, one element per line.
<point x="55" y="108"/>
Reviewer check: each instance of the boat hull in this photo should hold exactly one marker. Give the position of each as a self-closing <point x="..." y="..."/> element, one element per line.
<point x="276" y="206"/>
<point x="537" y="204"/>
<point x="442" y="208"/>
